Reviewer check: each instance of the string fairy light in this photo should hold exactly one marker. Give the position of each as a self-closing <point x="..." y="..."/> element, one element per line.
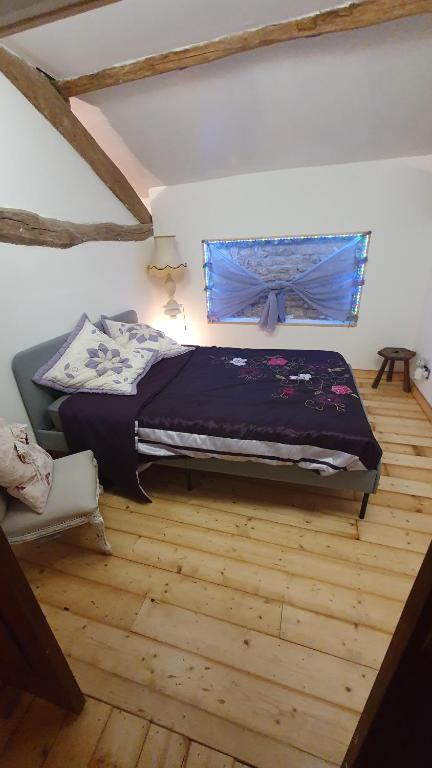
<point x="360" y="260"/>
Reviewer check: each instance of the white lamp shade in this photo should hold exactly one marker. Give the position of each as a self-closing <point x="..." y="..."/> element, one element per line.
<point x="166" y="255"/>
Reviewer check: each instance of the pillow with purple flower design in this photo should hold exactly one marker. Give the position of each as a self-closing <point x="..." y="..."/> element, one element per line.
<point x="90" y="361"/>
<point x="139" y="336"/>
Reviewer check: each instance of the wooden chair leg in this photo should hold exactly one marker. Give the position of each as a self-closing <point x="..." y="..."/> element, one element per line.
<point x="390" y="370"/>
<point x="98" y="523"/>
<point x="407" y="380"/>
<point x="378" y="377"/>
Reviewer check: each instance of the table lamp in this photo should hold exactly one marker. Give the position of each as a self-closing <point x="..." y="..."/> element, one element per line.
<point x="166" y="262"/>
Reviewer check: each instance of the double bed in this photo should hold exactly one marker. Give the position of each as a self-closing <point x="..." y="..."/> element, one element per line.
<point x="287" y="415"/>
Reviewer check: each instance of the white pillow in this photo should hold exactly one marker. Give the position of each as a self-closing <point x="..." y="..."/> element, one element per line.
<point x="139" y="336"/>
<point x="26" y="470"/>
<point x="89" y="361"/>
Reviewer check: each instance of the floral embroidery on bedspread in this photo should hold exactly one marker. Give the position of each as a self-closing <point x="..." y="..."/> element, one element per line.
<point x="319" y="385"/>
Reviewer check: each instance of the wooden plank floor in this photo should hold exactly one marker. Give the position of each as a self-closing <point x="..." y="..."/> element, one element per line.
<point x="240" y="624"/>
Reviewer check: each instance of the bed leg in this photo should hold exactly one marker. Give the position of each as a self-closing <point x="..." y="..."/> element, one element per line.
<point x="364" y="506"/>
<point x="189" y="484"/>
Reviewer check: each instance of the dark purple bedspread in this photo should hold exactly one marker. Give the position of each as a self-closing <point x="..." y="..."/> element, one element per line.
<point x="106" y="423"/>
<point x="299" y="397"/>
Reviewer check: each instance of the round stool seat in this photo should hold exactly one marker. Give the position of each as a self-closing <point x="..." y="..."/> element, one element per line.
<point x="396" y="353"/>
<point x="392" y="355"/>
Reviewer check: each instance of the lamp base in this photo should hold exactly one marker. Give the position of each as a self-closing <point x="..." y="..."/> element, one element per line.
<point x="172" y="308"/>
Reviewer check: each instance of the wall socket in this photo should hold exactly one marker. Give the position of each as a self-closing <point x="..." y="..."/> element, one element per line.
<point x="422" y="370"/>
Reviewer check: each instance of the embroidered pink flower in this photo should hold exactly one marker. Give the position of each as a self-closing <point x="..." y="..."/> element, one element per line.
<point x="341" y="389"/>
<point x="277" y="361"/>
<point x="288" y="391"/>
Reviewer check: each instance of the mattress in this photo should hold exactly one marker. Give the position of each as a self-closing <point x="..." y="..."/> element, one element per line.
<point x="162" y="444"/>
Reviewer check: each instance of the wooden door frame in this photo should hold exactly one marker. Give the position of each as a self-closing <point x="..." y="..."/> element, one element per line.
<point x="394" y="728"/>
<point x="30" y="656"/>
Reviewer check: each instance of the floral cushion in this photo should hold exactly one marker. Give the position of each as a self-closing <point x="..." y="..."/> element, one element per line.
<point x="89" y="361"/>
<point x="139" y="336"/>
<point x="26" y="470"/>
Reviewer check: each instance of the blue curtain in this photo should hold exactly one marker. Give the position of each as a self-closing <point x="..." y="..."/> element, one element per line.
<point x="328" y="286"/>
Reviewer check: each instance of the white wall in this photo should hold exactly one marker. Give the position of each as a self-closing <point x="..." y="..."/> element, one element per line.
<point x="393" y="198"/>
<point x="43" y="291"/>
<point x="424" y="341"/>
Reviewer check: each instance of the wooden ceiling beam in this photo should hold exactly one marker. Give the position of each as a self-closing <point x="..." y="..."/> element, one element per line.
<point x="41" y="93"/>
<point x="34" y="13"/>
<point x="27" y="228"/>
<point x="341" y="19"/>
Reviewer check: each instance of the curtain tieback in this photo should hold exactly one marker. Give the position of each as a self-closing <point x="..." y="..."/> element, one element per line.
<point x="274" y="308"/>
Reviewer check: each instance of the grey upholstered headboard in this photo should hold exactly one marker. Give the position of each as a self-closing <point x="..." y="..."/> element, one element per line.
<point x="36" y="399"/>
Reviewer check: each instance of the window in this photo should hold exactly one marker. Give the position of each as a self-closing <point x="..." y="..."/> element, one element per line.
<point x="303" y="279"/>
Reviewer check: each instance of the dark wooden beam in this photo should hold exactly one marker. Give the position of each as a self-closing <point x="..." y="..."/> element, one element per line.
<point x="40" y="92"/>
<point x="34" y="13"/>
<point x="26" y="228"/>
<point x="341" y="19"/>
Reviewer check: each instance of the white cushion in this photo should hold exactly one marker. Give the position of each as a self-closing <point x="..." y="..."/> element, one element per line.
<point x="90" y="361"/>
<point x="25" y="468"/>
<point x="139" y="336"/>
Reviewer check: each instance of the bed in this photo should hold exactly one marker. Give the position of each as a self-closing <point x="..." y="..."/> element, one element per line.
<point x="206" y="412"/>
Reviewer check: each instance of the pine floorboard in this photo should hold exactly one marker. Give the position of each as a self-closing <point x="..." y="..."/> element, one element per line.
<point x="240" y="624"/>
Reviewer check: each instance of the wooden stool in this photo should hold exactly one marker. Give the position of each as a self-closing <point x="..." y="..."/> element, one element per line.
<point x="391" y="355"/>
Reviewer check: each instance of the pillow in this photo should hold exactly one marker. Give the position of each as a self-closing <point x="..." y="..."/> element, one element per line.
<point x="139" y="336"/>
<point x="26" y="470"/>
<point x="89" y="361"/>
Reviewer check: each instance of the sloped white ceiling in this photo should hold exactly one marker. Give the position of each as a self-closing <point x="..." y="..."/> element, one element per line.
<point x="134" y="28"/>
<point x="340" y="98"/>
